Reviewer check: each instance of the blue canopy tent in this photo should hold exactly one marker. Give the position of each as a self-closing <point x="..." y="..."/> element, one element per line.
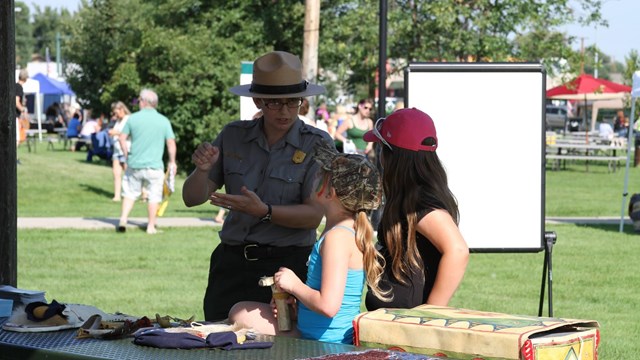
<point x="50" y="91"/>
<point x="50" y="86"/>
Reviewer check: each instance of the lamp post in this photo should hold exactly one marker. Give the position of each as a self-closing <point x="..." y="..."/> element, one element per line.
<point x="59" y="55"/>
<point x="59" y="61"/>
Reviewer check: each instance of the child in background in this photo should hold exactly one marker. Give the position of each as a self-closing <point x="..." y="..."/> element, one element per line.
<point x="344" y="256"/>
<point x="219" y="219"/>
<point x="74" y="127"/>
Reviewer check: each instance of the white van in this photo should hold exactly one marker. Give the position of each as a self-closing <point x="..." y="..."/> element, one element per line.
<point x="555" y="117"/>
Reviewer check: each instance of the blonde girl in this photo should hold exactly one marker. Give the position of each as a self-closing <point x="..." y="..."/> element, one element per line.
<point x="342" y="260"/>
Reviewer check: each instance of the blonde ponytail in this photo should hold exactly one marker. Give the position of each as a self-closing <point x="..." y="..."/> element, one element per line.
<point x="371" y="257"/>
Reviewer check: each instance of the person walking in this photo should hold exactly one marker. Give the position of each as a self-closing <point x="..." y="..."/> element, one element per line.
<point x="118" y="162"/>
<point x="149" y="131"/>
<point x="425" y="254"/>
<point x="267" y="171"/>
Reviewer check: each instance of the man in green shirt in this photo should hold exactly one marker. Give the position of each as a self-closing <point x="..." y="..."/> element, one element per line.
<point x="149" y="131"/>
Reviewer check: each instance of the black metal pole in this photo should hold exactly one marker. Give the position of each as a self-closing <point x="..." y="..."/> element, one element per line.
<point x="382" y="62"/>
<point x="551" y="240"/>
<point x="376" y="215"/>
<point x="8" y="191"/>
<point x="544" y="280"/>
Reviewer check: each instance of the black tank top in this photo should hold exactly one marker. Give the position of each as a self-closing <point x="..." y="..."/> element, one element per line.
<point x="420" y="282"/>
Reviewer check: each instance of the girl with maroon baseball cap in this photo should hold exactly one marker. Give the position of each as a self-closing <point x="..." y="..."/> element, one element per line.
<point x="425" y="254"/>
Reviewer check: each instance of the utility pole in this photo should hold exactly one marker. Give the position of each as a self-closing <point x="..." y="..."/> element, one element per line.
<point x="581" y="55"/>
<point x="310" y="44"/>
<point x="595" y="67"/>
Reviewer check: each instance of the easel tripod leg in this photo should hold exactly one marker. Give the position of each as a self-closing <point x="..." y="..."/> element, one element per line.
<point x="547" y="271"/>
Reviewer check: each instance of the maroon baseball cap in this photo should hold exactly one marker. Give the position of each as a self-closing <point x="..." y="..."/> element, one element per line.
<point x="406" y="129"/>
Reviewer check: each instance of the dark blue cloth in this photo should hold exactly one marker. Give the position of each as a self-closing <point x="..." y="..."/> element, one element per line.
<point x="101" y="146"/>
<point x="225" y="340"/>
<point x="55" y="308"/>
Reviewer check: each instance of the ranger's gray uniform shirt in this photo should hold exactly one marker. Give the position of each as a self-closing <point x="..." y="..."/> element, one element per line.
<point x="282" y="175"/>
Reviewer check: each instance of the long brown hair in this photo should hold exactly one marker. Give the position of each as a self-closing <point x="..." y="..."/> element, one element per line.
<point x="412" y="180"/>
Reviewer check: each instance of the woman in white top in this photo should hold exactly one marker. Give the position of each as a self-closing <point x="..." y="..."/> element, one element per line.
<point x="118" y="162"/>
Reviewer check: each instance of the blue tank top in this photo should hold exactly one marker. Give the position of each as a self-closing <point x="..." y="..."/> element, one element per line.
<point x="338" y="329"/>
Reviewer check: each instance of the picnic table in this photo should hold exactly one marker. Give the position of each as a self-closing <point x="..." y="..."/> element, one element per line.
<point x="561" y="152"/>
<point x="33" y="135"/>
<point x="64" y="345"/>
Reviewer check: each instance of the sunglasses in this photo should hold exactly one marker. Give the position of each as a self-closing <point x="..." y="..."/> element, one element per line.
<point x="376" y="132"/>
<point x="367" y="107"/>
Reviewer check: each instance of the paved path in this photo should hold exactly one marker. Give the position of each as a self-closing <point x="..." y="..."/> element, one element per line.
<point x="110" y="223"/>
<point x="596" y="220"/>
<point x="107" y="223"/>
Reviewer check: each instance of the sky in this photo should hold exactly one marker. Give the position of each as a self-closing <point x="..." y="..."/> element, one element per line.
<point x="616" y="40"/>
<point x="620" y="37"/>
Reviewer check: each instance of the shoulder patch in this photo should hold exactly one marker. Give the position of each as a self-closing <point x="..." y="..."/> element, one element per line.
<point x="244" y="124"/>
<point x="308" y="129"/>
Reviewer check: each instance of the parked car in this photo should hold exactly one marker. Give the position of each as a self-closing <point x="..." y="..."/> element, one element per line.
<point x="555" y="117"/>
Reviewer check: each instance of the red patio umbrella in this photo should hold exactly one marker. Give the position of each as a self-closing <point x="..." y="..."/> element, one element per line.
<point x="586" y="87"/>
<point x="593" y="88"/>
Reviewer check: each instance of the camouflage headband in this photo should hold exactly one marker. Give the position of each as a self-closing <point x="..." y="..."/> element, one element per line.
<point x="356" y="180"/>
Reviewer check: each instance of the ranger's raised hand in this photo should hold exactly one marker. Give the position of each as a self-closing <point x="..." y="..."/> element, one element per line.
<point x="205" y="156"/>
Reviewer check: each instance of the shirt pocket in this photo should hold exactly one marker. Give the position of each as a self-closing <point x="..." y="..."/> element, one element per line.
<point x="234" y="177"/>
<point x="285" y="184"/>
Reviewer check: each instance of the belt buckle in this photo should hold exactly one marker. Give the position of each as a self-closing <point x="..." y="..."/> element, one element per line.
<point x="245" y="252"/>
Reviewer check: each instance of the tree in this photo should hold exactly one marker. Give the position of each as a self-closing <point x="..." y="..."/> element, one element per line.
<point x="349" y="46"/>
<point x="469" y="30"/>
<point x="632" y="64"/>
<point x="101" y="38"/>
<point x="47" y="23"/>
<point x="551" y="48"/>
<point x="605" y="63"/>
<point x="24" y="34"/>
<point x="189" y="52"/>
<point x="447" y="30"/>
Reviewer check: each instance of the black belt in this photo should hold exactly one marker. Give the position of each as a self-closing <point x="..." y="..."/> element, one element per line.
<point x="253" y="252"/>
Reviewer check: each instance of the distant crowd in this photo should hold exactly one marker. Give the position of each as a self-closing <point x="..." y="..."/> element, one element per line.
<point x="346" y="125"/>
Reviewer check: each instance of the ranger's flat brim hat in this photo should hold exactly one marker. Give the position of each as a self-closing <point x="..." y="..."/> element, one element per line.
<point x="277" y="74"/>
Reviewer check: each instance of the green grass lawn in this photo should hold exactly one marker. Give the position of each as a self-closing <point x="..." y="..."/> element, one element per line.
<point x="78" y="188"/>
<point x="62" y="183"/>
<point x="595" y="268"/>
